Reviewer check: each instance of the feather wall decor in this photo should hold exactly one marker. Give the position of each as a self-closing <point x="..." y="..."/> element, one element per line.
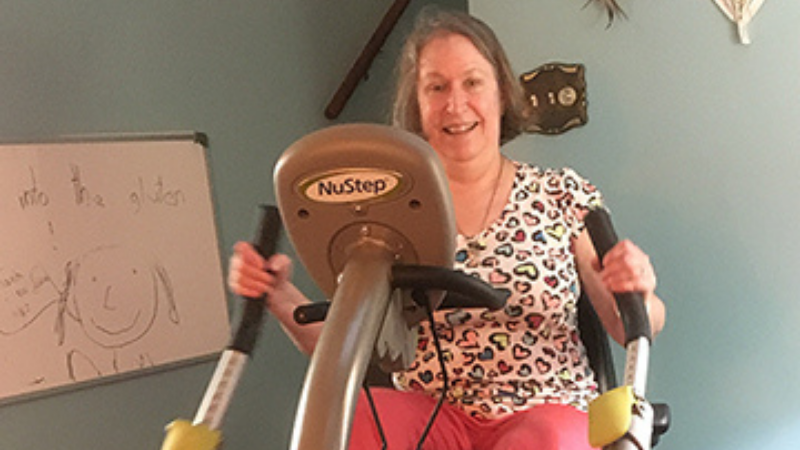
<point x="612" y="9"/>
<point x="740" y="12"/>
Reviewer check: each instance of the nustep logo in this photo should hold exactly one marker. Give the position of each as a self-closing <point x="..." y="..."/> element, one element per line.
<point x="351" y="185"/>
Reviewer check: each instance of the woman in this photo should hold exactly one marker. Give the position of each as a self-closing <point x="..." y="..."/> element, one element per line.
<point x="519" y="378"/>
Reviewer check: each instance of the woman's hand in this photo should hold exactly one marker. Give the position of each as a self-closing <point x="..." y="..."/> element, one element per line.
<point x="250" y="275"/>
<point x="626" y="268"/>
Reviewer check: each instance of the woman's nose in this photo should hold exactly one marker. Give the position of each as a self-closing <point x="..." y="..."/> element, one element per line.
<point x="456" y="100"/>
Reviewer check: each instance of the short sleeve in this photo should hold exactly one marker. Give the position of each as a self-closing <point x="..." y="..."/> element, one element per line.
<point x="579" y="195"/>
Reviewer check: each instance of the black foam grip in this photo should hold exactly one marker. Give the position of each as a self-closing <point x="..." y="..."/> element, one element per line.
<point x="311" y="312"/>
<point x="463" y="291"/>
<point x="244" y="340"/>
<point x="630" y="304"/>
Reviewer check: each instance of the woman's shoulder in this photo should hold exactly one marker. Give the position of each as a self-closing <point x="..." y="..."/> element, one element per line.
<point x="550" y="177"/>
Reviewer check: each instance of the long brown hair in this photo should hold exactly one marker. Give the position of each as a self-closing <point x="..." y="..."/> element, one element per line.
<point x="434" y="23"/>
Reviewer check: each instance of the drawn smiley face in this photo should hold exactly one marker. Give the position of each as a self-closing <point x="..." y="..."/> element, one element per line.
<point x="115" y="296"/>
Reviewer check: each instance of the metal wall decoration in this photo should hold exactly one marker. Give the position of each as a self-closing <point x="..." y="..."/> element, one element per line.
<point x="740" y="12"/>
<point x="557" y="95"/>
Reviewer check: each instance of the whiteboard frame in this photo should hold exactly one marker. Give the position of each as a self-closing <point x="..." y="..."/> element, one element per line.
<point x="196" y="137"/>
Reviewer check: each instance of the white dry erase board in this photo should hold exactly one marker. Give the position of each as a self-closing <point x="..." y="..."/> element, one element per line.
<point x="109" y="260"/>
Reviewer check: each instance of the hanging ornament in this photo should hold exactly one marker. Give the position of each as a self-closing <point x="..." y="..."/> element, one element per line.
<point x="740" y="12"/>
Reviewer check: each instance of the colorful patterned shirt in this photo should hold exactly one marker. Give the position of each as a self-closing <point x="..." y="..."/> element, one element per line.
<point x="530" y="352"/>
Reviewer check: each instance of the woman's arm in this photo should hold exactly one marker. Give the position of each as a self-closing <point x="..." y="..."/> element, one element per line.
<point x="249" y="275"/>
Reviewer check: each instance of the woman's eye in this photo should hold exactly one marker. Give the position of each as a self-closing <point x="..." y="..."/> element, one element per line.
<point x="436" y="87"/>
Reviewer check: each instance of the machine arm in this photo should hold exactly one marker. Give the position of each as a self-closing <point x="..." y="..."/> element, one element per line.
<point x="204" y="432"/>
<point x="622" y="419"/>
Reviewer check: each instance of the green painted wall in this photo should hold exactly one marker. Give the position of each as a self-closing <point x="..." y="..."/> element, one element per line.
<point x="693" y="139"/>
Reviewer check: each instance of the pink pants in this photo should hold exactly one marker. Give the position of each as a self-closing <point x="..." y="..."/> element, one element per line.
<point x="403" y="416"/>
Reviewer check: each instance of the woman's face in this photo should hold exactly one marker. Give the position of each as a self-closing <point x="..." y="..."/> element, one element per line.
<point x="459" y="98"/>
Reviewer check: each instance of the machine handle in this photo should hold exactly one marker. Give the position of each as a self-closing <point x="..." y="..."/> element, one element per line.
<point x="244" y="340"/>
<point x="204" y="433"/>
<point x="630" y="304"/>
<point x="463" y="291"/>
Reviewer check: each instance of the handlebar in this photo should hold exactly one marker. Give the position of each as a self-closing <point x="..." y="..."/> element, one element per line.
<point x="630" y="304"/>
<point x="253" y="316"/>
<point x="462" y="290"/>
<point x="204" y="432"/>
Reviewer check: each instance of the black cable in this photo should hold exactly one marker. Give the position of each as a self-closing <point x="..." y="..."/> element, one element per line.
<point x="445" y="379"/>
<point x="440" y="356"/>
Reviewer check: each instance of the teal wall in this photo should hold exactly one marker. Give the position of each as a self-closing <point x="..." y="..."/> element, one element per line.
<point x="690" y="135"/>
<point x="254" y="76"/>
<point x="693" y="139"/>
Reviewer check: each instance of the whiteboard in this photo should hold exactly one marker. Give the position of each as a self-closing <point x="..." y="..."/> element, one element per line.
<point x="109" y="260"/>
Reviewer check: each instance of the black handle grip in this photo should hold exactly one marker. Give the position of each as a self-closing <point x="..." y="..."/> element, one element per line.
<point x="630" y="304"/>
<point x="462" y="290"/>
<point x="311" y="312"/>
<point x="247" y="332"/>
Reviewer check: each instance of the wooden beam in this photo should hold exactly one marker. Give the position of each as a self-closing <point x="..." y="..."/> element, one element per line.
<point x="364" y="61"/>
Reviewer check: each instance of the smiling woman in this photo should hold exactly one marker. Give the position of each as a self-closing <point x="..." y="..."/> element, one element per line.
<point x="459" y="99"/>
<point x="520" y="377"/>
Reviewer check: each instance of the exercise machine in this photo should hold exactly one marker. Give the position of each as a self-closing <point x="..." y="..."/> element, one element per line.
<point x="368" y="210"/>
